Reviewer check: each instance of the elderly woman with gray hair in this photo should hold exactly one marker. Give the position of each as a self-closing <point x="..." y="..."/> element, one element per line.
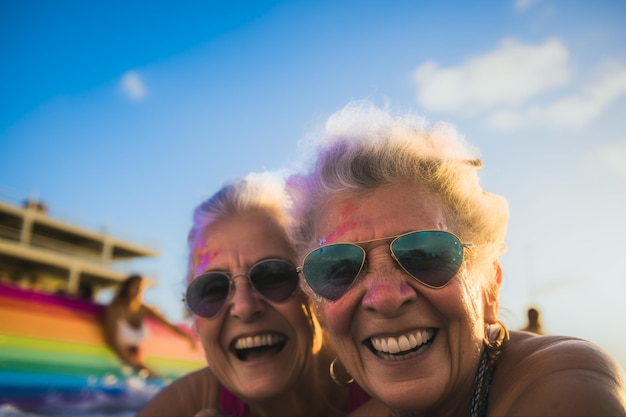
<point x="399" y="248"/>
<point x="266" y="353"/>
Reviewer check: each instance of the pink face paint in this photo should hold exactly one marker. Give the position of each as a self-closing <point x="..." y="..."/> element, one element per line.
<point x="342" y="229"/>
<point x="203" y="256"/>
<point x="348" y="210"/>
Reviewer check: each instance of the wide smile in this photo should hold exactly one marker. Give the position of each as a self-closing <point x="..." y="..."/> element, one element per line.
<point x="401" y="348"/>
<point x="258" y="346"/>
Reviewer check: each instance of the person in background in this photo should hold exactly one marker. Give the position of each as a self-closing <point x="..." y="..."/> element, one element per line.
<point x="265" y="351"/>
<point x="534" y="323"/>
<point x="400" y="250"/>
<point x="125" y="328"/>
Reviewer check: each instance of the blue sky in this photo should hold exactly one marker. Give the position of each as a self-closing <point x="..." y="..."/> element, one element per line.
<point x="125" y="115"/>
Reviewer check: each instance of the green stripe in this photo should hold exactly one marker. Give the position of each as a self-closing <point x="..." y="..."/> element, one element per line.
<point x="51" y="345"/>
<point x="45" y="356"/>
<point x="58" y="369"/>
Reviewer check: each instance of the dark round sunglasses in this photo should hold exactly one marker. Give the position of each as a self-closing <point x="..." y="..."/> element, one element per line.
<point x="432" y="257"/>
<point x="274" y="279"/>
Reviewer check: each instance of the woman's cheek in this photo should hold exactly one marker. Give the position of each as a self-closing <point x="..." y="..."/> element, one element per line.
<point x="202" y="330"/>
<point x="335" y="317"/>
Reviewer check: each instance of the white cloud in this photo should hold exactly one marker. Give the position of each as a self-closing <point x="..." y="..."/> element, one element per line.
<point x="509" y="85"/>
<point x="580" y="108"/>
<point x="133" y="86"/>
<point x="510" y="75"/>
<point x="571" y="111"/>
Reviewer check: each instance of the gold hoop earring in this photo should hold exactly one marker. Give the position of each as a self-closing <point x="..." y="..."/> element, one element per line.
<point x="496" y="346"/>
<point x="349" y="381"/>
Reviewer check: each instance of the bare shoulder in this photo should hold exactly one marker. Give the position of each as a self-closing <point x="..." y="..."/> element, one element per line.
<point x="556" y="375"/>
<point x="187" y="395"/>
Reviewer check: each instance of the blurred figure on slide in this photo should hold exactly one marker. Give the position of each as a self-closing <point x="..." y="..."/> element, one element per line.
<point x="124" y="324"/>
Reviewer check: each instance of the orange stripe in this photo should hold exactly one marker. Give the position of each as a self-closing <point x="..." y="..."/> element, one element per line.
<point x="163" y="342"/>
<point x="46" y="326"/>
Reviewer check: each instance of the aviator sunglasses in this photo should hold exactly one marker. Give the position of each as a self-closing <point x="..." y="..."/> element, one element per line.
<point x="274" y="279"/>
<point x="432" y="257"/>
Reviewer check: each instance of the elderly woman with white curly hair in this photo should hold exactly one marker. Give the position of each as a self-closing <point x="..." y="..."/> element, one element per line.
<point x="399" y="247"/>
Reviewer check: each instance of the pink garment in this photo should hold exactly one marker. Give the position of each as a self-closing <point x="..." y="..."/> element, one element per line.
<point x="232" y="406"/>
<point x="358" y="397"/>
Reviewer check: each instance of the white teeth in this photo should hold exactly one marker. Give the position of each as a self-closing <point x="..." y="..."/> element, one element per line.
<point x="403" y="343"/>
<point x="266" y="339"/>
<point x="392" y="345"/>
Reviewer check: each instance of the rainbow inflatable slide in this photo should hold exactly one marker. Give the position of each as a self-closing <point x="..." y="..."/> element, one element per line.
<point x="52" y="350"/>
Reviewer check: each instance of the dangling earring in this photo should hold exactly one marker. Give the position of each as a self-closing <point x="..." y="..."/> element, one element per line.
<point x="496" y="346"/>
<point x="349" y="381"/>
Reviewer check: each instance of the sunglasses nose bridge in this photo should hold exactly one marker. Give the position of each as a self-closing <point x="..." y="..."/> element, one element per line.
<point x="243" y="301"/>
<point x="240" y="283"/>
<point x="379" y="256"/>
<point x="382" y="266"/>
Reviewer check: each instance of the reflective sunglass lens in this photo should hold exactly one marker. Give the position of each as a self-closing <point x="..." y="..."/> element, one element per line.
<point x="432" y="257"/>
<point x="275" y="280"/>
<point x="330" y="270"/>
<point x="207" y="293"/>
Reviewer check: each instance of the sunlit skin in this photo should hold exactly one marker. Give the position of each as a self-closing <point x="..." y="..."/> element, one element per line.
<point x="233" y="245"/>
<point x="385" y="302"/>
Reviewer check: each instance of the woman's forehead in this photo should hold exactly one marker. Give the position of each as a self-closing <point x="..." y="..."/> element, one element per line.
<point x="388" y="210"/>
<point x="240" y="240"/>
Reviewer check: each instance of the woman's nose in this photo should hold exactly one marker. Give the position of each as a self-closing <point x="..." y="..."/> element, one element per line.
<point x="245" y="304"/>
<point x="387" y="292"/>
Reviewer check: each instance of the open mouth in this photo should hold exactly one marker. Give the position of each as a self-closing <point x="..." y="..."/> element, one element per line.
<point x="403" y="347"/>
<point x="258" y="346"/>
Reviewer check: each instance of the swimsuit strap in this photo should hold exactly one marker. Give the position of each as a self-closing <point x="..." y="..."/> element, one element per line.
<point x="482" y="384"/>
